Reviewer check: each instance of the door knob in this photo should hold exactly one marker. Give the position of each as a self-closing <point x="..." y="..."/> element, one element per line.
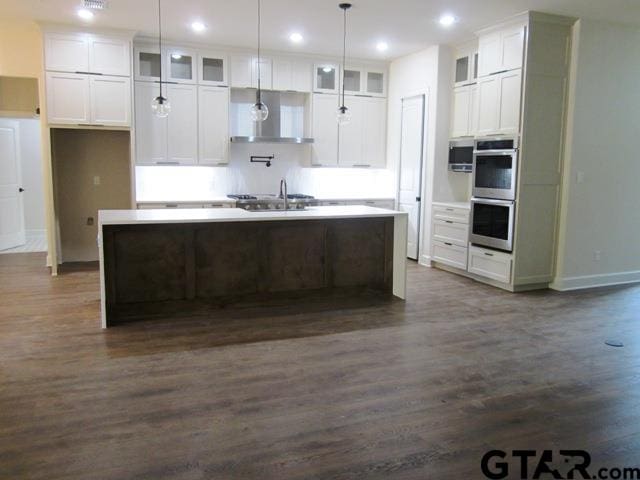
<point x="418" y="199"/>
<point x="21" y="189"/>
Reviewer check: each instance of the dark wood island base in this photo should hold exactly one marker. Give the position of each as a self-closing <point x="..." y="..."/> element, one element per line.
<point x="155" y="268"/>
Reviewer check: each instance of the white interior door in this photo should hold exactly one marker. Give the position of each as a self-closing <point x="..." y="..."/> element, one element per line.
<point x="11" y="206"/>
<point x="410" y="183"/>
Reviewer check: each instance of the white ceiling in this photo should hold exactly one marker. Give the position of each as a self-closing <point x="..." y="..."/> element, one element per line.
<point x="406" y="25"/>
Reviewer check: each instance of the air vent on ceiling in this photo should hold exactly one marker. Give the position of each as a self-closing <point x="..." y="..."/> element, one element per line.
<point x="95" y="4"/>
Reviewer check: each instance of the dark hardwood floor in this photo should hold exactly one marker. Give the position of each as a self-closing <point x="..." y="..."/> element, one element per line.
<point x="348" y="389"/>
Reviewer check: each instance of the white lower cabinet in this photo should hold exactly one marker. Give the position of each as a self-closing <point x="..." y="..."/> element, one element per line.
<point x="213" y="124"/>
<point x="449" y="254"/>
<point x="490" y="264"/>
<point x="451" y="232"/>
<point x="80" y="99"/>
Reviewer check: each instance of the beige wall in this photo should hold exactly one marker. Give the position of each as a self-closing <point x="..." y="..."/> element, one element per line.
<point x="79" y="156"/>
<point x="600" y="215"/>
<point x="21" y="55"/>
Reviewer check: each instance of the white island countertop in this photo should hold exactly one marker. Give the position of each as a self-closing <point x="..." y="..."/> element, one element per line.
<point x="205" y="215"/>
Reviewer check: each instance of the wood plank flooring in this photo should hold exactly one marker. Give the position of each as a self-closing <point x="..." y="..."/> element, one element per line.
<point x="349" y="389"/>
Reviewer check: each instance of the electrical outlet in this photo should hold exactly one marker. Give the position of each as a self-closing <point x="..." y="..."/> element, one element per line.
<point x="90" y="221"/>
<point x="597" y="255"/>
<point x="96" y="180"/>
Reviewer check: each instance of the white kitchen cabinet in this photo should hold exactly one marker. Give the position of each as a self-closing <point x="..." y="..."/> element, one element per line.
<point x="110" y="100"/>
<point x="66" y="52"/>
<point x="148" y="64"/>
<point x="241" y="71"/>
<point x="291" y="75"/>
<point x="151" y="131"/>
<point x="449" y="254"/>
<point x="84" y="53"/>
<point x="465" y="67"/>
<point x="353" y="81"/>
<point x="351" y="135"/>
<point x="325" y="78"/>
<point x="181" y="65"/>
<point x="265" y="71"/>
<point x="501" y="50"/>
<point x="183" y="124"/>
<point x="110" y="56"/>
<point x="490" y="264"/>
<point x="499" y="100"/>
<point x="364" y="81"/>
<point x="212" y="69"/>
<point x="510" y="101"/>
<point x="464" y="115"/>
<point x="213" y="125"/>
<point x="375" y="83"/>
<point x="68" y="98"/>
<point x="362" y="141"/>
<point x="324" y="126"/>
<point x="375" y="133"/>
<point x="451" y="232"/>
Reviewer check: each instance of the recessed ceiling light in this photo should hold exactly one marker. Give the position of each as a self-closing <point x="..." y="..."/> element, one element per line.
<point x="85" y="14"/>
<point x="296" y="37"/>
<point x="447" y="20"/>
<point x="382" y="46"/>
<point x="198" y="27"/>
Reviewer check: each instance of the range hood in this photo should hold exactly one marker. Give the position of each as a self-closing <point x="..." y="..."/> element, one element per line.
<point x="285" y="122"/>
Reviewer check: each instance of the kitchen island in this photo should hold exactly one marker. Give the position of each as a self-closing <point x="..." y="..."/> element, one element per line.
<point x="155" y="260"/>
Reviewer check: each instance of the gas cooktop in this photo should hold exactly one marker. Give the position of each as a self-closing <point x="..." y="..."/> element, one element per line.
<point x="295" y="201"/>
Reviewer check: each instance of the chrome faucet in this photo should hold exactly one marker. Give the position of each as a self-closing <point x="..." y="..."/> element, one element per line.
<point x="283" y="193"/>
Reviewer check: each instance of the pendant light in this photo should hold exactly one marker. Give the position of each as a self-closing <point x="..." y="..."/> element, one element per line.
<point x="160" y="105"/>
<point x="259" y="111"/>
<point x="344" y="115"/>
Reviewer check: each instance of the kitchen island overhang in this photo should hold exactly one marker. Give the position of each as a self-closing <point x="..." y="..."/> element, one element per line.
<point x="189" y="255"/>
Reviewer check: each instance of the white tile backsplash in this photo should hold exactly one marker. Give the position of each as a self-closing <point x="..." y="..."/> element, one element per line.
<point x="168" y="183"/>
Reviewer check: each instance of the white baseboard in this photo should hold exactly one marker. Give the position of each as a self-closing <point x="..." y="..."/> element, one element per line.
<point x="593" y="281"/>
<point x="425" y="260"/>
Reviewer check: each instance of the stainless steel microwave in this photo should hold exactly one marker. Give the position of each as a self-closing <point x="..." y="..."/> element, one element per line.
<point x="495" y="168"/>
<point x="461" y="155"/>
<point x="492" y="223"/>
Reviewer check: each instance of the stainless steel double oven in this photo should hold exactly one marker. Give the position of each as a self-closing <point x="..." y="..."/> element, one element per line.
<point x="495" y="172"/>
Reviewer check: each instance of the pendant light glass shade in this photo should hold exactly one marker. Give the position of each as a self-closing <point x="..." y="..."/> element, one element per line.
<point x="344" y="115"/>
<point x="259" y="112"/>
<point x="161" y="107"/>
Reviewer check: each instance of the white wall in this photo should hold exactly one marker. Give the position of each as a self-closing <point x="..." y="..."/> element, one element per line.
<point x="240" y="176"/>
<point x="602" y="213"/>
<point x="427" y="72"/>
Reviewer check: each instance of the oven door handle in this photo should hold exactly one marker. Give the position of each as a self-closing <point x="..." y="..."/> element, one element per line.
<point x="506" y="203"/>
<point x="495" y="152"/>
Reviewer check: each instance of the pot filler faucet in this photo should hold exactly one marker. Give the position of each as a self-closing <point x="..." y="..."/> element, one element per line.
<point x="283" y="193"/>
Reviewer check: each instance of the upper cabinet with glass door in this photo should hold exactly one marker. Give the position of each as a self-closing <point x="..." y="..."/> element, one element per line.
<point x="325" y="78"/>
<point x="181" y="65"/>
<point x="364" y="81"/>
<point x="212" y="68"/>
<point x="147" y="63"/>
<point x="466" y="66"/>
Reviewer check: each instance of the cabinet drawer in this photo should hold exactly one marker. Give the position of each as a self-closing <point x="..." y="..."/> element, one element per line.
<point x="146" y="206"/>
<point x="452" y="214"/>
<point x="449" y="254"/>
<point x="490" y="264"/>
<point x="451" y="232"/>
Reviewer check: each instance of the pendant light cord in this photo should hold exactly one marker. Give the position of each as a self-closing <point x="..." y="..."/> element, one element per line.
<point x="344" y="52"/>
<point x="259" y="93"/>
<point x="160" y="41"/>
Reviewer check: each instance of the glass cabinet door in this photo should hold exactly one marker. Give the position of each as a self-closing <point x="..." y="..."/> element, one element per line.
<point x="213" y="69"/>
<point x="326" y="78"/>
<point x="375" y="84"/>
<point x="181" y="66"/>
<point x="463" y="70"/>
<point x="352" y="82"/>
<point x="148" y="63"/>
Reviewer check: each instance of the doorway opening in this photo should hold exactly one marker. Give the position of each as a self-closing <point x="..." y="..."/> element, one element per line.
<point x="411" y="164"/>
<point x="22" y="205"/>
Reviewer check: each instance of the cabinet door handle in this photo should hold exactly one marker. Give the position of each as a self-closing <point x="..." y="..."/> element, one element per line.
<point x="488" y="254"/>
<point x="449" y="244"/>
<point x="448" y="221"/>
<point x="361" y="165"/>
<point x="171" y="205"/>
<point x="167" y="163"/>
